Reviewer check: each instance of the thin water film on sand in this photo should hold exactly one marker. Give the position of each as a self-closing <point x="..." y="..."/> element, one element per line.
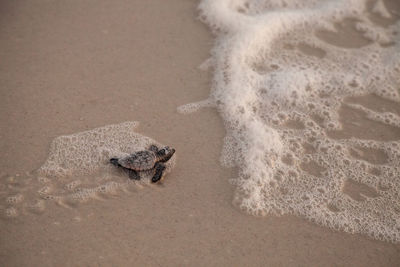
<point x="78" y="170"/>
<point x="309" y="92"/>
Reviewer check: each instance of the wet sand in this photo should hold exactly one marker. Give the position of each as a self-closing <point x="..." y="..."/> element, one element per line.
<point x="67" y="68"/>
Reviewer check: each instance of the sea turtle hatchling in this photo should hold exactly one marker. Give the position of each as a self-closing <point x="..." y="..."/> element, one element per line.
<point x="152" y="159"/>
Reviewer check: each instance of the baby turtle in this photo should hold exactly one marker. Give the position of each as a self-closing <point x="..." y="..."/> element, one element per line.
<point x="152" y="159"/>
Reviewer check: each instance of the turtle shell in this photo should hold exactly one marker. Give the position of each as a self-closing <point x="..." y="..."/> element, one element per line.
<point x="139" y="161"/>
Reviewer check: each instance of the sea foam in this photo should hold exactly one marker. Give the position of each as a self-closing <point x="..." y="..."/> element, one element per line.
<point x="78" y="170"/>
<point x="291" y="79"/>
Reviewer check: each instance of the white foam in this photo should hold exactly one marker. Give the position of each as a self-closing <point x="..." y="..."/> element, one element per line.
<point x="193" y="107"/>
<point x="90" y="151"/>
<point x="78" y="170"/>
<point x="380" y="9"/>
<point x="280" y="103"/>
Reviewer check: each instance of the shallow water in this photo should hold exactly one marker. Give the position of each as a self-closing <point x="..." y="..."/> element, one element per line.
<point x="309" y="92"/>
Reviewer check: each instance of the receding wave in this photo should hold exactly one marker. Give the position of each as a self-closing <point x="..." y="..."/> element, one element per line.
<point x="309" y="92"/>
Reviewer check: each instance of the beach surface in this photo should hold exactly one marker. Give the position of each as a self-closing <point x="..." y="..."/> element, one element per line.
<point x="68" y="67"/>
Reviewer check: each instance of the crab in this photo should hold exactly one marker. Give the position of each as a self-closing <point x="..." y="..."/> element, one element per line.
<point x="152" y="159"/>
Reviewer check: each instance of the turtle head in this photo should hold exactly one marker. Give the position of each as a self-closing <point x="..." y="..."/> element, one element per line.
<point x="165" y="153"/>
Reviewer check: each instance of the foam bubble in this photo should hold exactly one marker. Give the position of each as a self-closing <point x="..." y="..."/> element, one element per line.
<point x="11" y="212"/>
<point x="18" y="198"/>
<point x="289" y="129"/>
<point x="72" y="185"/>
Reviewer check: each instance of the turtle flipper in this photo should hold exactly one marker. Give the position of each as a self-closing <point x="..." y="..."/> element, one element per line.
<point x="134" y="175"/>
<point x="159" y="167"/>
<point x="115" y="162"/>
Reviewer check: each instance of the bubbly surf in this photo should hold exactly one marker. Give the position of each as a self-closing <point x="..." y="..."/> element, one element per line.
<point x="78" y="170"/>
<point x="309" y="93"/>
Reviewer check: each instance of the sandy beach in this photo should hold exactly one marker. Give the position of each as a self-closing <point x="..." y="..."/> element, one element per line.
<point x="71" y="66"/>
